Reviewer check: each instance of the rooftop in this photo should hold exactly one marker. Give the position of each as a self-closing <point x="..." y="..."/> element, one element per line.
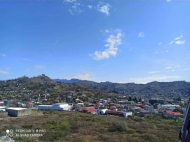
<point x="16" y="108"/>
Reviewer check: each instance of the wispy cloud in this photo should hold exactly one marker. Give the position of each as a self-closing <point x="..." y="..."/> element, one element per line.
<point x="86" y="76"/>
<point x="177" y="38"/>
<point x="3" y="72"/>
<point x="90" y="6"/>
<point x="168" y="0"/>
<point x="153" y="72"/>
<point x="159" y="43"/>
<point x="159" y="52"/>
<point x="69" y="1"/>
<point x="75" y="8"/>
<point x="167" y="68"/>
<point x="113" y="41"/>
<point x="2" y="55"/>
<point x="171" y="42"/>
<point x="180" y="42"/>
<point x="39" y="66"/>
<point x="104" y="8"/>
<point x="141" y="34"/>
<point x="163" y="78"/>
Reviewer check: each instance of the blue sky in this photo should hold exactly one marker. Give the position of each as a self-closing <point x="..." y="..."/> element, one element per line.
<point x="113" y="40"/>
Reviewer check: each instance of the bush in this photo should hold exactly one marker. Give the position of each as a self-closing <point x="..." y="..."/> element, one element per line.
<point x="119" y="126"/>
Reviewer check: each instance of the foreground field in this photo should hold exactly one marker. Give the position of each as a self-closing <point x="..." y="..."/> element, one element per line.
<point x="80" y="127"/>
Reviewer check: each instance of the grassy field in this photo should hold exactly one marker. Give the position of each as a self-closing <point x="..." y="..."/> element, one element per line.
<point x="81" y="127"/>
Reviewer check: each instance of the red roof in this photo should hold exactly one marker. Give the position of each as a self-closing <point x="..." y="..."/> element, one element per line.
<point x="113" y="107"/>
<point x="144" y="111"/>
<point x="117" y="104"/>
<point x="174" y="113"/>
<point x="169" y="112"/>
<point x="15" y="100"/>
<point x="139" y="105"/>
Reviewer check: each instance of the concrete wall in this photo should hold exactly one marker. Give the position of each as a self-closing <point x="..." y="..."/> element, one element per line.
<point x="3" y="114"/>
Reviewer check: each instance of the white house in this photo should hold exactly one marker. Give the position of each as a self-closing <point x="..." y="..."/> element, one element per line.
<point x="58" y="106"/>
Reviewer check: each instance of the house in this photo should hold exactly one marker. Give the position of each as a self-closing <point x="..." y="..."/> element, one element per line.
<point x="143" y="113"/>
<point x="7" y="102"/>
<point x="139" y="105"/>
<point x="127" y="114"/>
<point x="168" y="107"/>
<point x="113" y="112"/>
<point x="2" y="103"/>
<point x="2" y="108"/>
<point x="113" y="108"/>
<point x="29" y="104"/>
<point x="101" y="111"/>
<point x="118" y="113"/>
<point x="88" y="109"/>
<point x="149" y="108"/>
<point x="172" y="115"/>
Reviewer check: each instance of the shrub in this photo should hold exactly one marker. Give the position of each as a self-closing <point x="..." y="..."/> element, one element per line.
<point x="119" y="126"/>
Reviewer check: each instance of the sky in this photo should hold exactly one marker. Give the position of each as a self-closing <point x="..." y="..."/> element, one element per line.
<point x="99" y="40"/>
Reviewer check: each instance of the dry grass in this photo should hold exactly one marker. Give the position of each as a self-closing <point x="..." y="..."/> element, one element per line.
<point x="81" y="127"/>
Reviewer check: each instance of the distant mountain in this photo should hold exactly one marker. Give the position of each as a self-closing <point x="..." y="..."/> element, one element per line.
<point x="67" y="81"/>
<point x="44" y="83"/>
<point x="160" y="88"/>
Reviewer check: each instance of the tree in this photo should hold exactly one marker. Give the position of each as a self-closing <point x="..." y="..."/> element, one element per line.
<point x="140" y="100"/>
<point x="129" y="99"/>
<point x="179" y="98"/>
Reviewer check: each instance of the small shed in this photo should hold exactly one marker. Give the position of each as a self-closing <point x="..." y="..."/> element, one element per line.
<point x="16" y="111"/>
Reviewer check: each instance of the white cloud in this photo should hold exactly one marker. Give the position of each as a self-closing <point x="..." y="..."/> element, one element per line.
<point x="153" y="72"/>
<point x="168" y="0"/>
<point x="167" y="68"/>
<point x="112" y="43"/>
<point x="177" y="38"/>
<point x="90" y="6"/>
<point x="104" y="8"/>
<point x="171" y="42"/>
<point x="2" y="55"/>
<point x="163" y="78"/>
<point x="3" y="72"/>
<point x="159" y="43"/>
<point x="39" y="66"/>
<point x="186" y="69"/>
<point x="107" y="31"/>
<point x="141" y="34"/>
<point x="180" y="42"/>
<point x="69" y="1"/>
<point x="75" y="8"/>
<point x="86" y="76"/>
